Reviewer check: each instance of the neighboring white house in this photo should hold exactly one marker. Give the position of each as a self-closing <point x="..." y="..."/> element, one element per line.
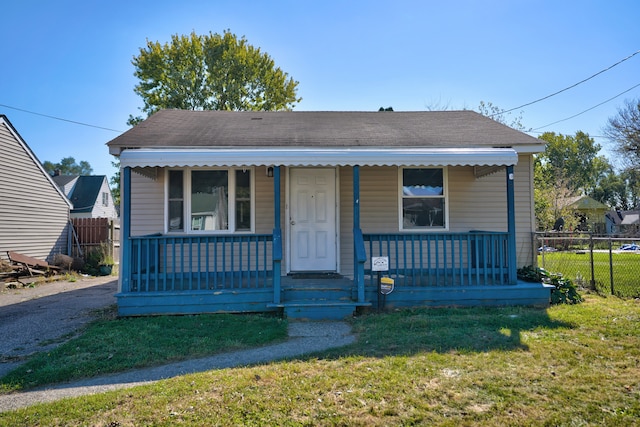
<point x="90" y="195"/>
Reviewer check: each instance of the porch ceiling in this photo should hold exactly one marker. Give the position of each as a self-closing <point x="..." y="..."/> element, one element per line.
<point x="347" y="156"/>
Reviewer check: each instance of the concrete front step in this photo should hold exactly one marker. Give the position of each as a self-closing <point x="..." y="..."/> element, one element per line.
<point x="312" y="293"/>
<point x="319" y="310"/>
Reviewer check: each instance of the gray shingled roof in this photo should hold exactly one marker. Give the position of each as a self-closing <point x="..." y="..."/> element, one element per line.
<point x="182" y="128"/>
<point x="62" y="180"/>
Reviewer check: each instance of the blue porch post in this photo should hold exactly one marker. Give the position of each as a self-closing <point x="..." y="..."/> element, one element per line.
<point x="125" y="229"/>
<point x="511" y="221"/>
<point x="277" y="236"/>
<point x="359" y="256"/>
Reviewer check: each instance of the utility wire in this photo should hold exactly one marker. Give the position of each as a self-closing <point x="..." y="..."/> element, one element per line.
<point x="61" y="119"/>
<point x="588" y="109"/>
<point x="569" y="87"/>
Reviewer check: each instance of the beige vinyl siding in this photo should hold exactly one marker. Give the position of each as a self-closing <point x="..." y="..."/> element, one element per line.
<point x="474" y="204"/>
<point x="264" y="200"/>
<point x="345" y="201"/>
<point x="147" y="204"/>
<point x="34" y="215"/>
<point x="379" y="199"/>
<point x="477" y="203"/>
<point x="525" y="212"/>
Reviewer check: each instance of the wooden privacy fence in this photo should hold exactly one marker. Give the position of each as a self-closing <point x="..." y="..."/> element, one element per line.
<point x="88" y="233"/>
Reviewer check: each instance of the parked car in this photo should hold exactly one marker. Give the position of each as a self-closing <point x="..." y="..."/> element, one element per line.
<point x="545" y="248"/>
<point x="630" y="247"/>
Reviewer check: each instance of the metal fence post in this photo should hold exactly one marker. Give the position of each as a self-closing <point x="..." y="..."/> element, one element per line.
<point x="611" y="267"/>
<point x="593" y="274"/>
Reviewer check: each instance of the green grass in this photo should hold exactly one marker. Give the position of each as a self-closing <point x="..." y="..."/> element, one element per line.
<point x="626" y="270"/>
<point x="569" y="365"/>
<point x="113" y="344"/>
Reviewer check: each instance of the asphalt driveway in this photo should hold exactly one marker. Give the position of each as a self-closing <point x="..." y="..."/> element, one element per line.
<point x="38" y="318"/>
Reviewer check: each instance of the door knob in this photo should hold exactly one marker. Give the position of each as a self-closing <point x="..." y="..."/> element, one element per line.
<point x="293" y="222"/>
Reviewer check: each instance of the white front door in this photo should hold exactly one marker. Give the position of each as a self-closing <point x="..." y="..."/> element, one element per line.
<point x="312" y="219"/>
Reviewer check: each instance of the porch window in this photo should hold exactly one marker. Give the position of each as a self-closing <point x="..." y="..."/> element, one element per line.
<point x="423" y="200"/>
<point x="216" y="200"/>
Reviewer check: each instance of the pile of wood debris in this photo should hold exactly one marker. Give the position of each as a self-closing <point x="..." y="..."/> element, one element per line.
<point x="20" y="265"/>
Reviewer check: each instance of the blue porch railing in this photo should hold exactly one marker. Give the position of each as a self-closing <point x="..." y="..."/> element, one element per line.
<point x="441" y="259"/>
<point x="162" y="263"/>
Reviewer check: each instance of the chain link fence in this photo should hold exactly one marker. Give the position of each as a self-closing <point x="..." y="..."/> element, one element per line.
<point x="606" y="264"/>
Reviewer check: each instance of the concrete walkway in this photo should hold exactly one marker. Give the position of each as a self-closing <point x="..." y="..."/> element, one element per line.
<point x="304" y="338"/>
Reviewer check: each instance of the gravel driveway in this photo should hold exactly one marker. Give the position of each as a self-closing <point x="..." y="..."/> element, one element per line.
<point x="38" y="318"/>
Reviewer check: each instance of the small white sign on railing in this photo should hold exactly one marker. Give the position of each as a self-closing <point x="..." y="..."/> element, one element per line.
<point x="380" y="263"/>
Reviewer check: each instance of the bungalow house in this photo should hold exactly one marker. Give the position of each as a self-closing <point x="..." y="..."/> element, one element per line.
<point x="90" y="195"/>
<point x="319" y="213"/>
<point x="34" y="213"/>
<point x="589" y="212"/>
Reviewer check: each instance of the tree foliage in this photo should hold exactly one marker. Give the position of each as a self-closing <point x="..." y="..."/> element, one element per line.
<point x="570" y="166"/>
<point x="115" y="183"/>
<point x="210" y="72"/>
<point x="68" y="166"/>
<point x="496" y="113"/>
<point x="573" y="160"/>
<point x="624" y="130"/>
<point x="619" y="190"/>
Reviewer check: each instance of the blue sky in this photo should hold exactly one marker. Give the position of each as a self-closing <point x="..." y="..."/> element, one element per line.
<point x="72" y="59"/>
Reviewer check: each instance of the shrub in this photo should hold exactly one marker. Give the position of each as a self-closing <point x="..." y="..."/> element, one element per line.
<point x="97" y="258"/>
<point x="564" y="291"/>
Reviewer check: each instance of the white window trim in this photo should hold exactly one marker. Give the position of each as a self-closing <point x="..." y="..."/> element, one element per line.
<point x="186" y="206"/>
<point x="445" y="191"/>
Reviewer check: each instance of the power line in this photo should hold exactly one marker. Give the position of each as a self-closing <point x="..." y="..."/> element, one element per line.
<point x="61" y="119"/>
<point x="588" y="109"/>
<point x="569" y="87"/>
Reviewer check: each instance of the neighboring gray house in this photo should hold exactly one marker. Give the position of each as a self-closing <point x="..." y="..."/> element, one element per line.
<point x="90" y="195"/>
<point x="34" y="213"/>
<point x="623" y="222"/>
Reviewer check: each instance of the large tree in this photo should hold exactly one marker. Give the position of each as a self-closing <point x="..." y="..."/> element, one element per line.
<point x="624" y="130"/>
<point x="68" y="166"/>
<point x="569" y="166"/>
<point x="210" y="72"/>
<point x="573" y="160"/>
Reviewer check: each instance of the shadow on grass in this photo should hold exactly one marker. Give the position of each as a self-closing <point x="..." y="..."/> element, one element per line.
<point x="445" y="330"/>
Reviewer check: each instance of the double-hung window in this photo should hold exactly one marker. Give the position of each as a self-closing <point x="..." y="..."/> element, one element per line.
<point x="423" y="199"/>
<point x="209" y="200"/>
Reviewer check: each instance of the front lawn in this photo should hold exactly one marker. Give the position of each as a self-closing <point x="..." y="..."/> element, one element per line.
<point x="568" y="365"/>
<point x="113" y="344"/>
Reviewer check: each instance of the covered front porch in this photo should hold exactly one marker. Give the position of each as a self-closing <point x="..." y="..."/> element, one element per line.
<point x="208" y="274"/>
<point x="168" y="273"/>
